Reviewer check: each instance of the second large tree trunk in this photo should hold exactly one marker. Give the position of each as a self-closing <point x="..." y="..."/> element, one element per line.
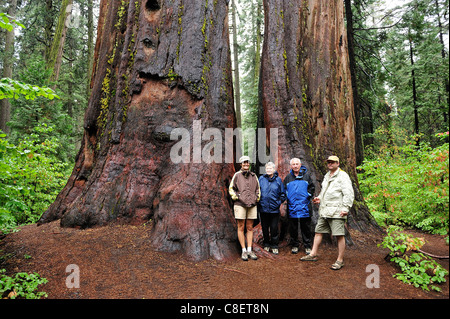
<point x="306" y="91"/>
<point x="159" y="65"/>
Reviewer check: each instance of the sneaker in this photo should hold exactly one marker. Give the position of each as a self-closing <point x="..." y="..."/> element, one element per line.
<point x="275" y="251"/>
<point x="294" y="250"/>
<point x="308" y="251"/>
<point x="252" y="255"/>
<point x="244" y="256"/>
<point x="267" y="248"/>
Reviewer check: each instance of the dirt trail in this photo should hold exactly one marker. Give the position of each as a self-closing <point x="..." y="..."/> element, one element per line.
<point x="116" y="262"/>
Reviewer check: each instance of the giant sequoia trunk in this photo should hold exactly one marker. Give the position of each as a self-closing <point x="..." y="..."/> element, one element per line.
<point x="306" y="91"/>
<point x="159" y="65"/>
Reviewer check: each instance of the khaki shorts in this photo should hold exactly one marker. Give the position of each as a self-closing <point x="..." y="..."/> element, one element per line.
<point x="245" y="212"/>
<point x="335" y="226"/>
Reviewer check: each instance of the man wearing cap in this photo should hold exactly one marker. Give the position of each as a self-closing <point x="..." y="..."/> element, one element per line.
<point x="335" y="199"/>
<point x="245" y="192"/>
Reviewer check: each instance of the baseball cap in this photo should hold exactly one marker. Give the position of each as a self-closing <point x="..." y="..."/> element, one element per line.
<point x="333" y="158"/>
<point x="244" y="158"/>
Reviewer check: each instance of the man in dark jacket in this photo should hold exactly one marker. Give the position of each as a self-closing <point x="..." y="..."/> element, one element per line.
<point x="299" y="190"/>
<point x="272" y="196"/>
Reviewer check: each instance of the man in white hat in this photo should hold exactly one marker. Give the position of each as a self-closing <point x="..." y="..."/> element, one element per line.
<point x="335" y="199"/>
<point x="245" y="192"/>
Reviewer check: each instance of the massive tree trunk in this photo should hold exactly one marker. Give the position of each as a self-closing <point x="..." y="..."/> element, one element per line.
<point x="158" y="65"/>
<point x="306" y="92"/>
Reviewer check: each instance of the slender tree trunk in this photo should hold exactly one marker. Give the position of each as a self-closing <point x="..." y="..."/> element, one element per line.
<point x="70" y="53"/>
<point x="414" y="89"/>
<point x="8" y="61"/>
<point x="307" y="92"/>
<point x="90" y="45"/>
<point x="367" y="122"/>
<point x="259" y="18"/>
<point x="48" y="16"/>
<point x="56" y="49"/>
<point x="443" y="53"/>
<point x="359" y="150"/>
<point x="158" y="66"/>
<point x="237" y="86"/>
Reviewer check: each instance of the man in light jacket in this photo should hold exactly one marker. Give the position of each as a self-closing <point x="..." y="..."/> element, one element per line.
<point x="335" y="199"/>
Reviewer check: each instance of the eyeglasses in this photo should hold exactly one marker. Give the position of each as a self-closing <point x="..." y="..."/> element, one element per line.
<point x="331" y="162"/>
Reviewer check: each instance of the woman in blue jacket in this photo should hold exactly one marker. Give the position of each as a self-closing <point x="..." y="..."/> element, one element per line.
<point x="272" y="196"/>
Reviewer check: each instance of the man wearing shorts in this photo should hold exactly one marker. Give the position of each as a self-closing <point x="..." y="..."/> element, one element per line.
<point x="245" y="192"/>
<point x="335" y="199"/>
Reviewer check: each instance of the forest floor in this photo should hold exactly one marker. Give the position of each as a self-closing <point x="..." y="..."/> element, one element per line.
<point x="116" y="262"/>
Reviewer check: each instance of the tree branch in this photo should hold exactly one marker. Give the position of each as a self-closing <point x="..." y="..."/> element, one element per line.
<point x="431" y="255"/>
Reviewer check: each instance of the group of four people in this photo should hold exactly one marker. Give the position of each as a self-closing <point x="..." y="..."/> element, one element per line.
<point x="266" y="195"/>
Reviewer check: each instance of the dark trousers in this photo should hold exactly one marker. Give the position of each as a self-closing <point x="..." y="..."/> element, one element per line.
<point x="305" y="227"/>
<point x="269" y="225"/>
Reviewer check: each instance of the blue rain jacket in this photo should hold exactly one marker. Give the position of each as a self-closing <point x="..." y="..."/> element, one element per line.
<point x="272" y="193"/>
<point x="299" y="190"/>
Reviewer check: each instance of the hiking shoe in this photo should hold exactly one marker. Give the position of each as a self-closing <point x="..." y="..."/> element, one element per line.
<point x="252" y="255"/>
<point x="244" y="256"/>
<point x="308" y="251"/>
<point x="275" y="251"/>
<point x="294" y="250"/>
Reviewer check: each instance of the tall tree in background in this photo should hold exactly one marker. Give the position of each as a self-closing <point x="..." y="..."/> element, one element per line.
<point x="359" y="149"/>
<point x="90" y="44"/>
<point x="439" y="13"/>
<point x="159" y="65"/>
<point x="307" y="91"/>
<point x="368" y="72"/>
<point x="32" y="52"/>
<point x="54" y="58"/>
<point x="236" y="81"/>
<point x="249" y="36"/>
<point x="8" y="60"/>
<point x="418" y="89"/>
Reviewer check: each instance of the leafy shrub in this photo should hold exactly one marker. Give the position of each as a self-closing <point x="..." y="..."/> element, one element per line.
<point x="31" y="177"/>
<point x="417" y="269"/>
<point x="408" y="185"/>
<point x="21" y="285"/>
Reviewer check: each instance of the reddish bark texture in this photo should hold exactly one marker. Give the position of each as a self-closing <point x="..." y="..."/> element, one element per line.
<point x="159" y="65"/>
<point x="306" y="91"/>
<point x="162" y="64"/>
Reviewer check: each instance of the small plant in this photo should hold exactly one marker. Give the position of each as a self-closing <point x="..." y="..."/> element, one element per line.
<point x="417" y="269"/>
<point x="21" y="285"/>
